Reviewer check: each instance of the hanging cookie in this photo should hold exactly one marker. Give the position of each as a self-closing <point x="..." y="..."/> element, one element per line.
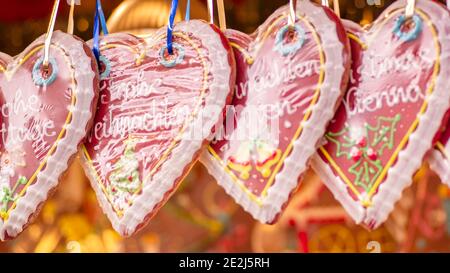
<point x="393" y="109"/>
<point x="290" y="74"/>
<point x="49" y="92"/>
<point x="160" y="97"/>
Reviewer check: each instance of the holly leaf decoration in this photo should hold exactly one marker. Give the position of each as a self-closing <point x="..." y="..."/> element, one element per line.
<point x="342" y="148"/>
<point x="366" y="171"/>
<point x="366" y="151"/>
<point x="382" y="135"/>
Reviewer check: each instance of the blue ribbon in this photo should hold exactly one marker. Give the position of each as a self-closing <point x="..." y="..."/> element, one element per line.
<point x="173" y="12"/>
<point x="99" y="20"/>
<point x="188" y="11"/>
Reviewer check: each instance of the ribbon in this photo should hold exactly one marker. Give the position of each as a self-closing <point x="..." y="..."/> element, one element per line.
<point x="173" y="12"/>
<point x="48" y="35"/>
<point x="222" y="18"/>
<point x="70" y="23"/>
<point x="292" y="12"/>
<point x="211" y="11"/>
<point x="99" y="20"/>
<point x="336" y="8"/>
<point x="188" y="11"/>
<point x="409" y="10"/>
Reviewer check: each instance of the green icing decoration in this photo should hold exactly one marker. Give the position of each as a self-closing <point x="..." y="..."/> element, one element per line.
<point x="22" y="180"/>
<point x="125" y="177"/>
<point x="342" y="148"/>
<point x="366" y="152"/>
<point x="366" y="172"/>
<point x="8" y="194"/>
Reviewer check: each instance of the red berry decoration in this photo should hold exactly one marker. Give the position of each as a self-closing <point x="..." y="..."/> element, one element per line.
<point x="372" y="154"/>
<point x="356" y="153"/>
<point x="362" y="142"/>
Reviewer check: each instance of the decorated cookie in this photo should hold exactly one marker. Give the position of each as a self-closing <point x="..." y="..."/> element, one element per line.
<point x="154" y="115"/>
<point x="393" y="109"/>
<point x="439" y="157"/>
<point x="45" y="114"/>
<point x="289" y="80"/>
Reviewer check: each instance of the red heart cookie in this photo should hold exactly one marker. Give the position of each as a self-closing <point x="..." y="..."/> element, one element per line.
<point x="289" y="81"/>
<point x="45" y="115"/>
<point x="439" y="157"/>
<point x="394" y="106"/>
<point x="155" y="113"/>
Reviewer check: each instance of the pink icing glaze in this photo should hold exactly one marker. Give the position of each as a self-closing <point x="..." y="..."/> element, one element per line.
<point x="119" y="98"/>
<point x="252" y="157"/>
<point x="163" y="102"/>
<point x="42" y="125"/>
<point x="391" y="113"/>
<point x="33" y="117"/>
<point x="378" y="80"/>
<point x="296" y="94"/>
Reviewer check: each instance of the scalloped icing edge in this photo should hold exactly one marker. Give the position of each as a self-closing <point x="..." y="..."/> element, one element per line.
<point x="410" y="158"/>
<point x="87" y="89"/>
<point x="186" y="153"/>
<point x="440" y="163"/>
<point x="296" y="163"/>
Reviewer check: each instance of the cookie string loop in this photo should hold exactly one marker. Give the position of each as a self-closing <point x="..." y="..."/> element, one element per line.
<point x="48" y="35"/>
<point x="99" y="21"/>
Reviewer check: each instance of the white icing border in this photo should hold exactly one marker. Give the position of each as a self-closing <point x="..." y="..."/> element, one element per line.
<point x="57" y="163"/>
<point x="410" y="158"/>
<point x="184" y="154"/>
<point x="440" y="164"/>
<point x="313" y="129"/>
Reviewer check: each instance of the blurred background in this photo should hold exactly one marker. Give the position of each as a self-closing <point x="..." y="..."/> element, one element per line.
<point x="200" y="217"/>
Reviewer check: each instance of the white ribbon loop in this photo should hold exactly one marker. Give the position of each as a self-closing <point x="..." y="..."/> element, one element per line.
<point x="292" y="12"/>
<point x="211" y="11"/>
<point x="48" y="36"/>
<point x="409" y="10"/>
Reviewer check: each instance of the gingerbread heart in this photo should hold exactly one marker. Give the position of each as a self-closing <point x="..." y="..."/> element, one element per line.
<point x="439" y="157"/>
<point x="45" y="114"/>
<point x="289" y="81"/>
<point x="394" y="106"/>
<point x="155" y="113"/>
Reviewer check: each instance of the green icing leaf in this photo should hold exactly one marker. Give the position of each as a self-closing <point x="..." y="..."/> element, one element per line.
<point x="22" y="180"/>
<point x="343" y="149"/>
<point x="366" y="169"/>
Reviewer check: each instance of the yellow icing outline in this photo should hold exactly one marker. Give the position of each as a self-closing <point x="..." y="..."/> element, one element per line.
<point x="269" y="163"/>
<point x="257" y="199"/>
<point x="140" y="54"/>
<point x="244" y="170"/>
<point x="8" y="75"/>
<point x="366" y="202"/>
<point x="247" y="56"/>
<point x="356" y="39"/>
<point x="176" y="139"/>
